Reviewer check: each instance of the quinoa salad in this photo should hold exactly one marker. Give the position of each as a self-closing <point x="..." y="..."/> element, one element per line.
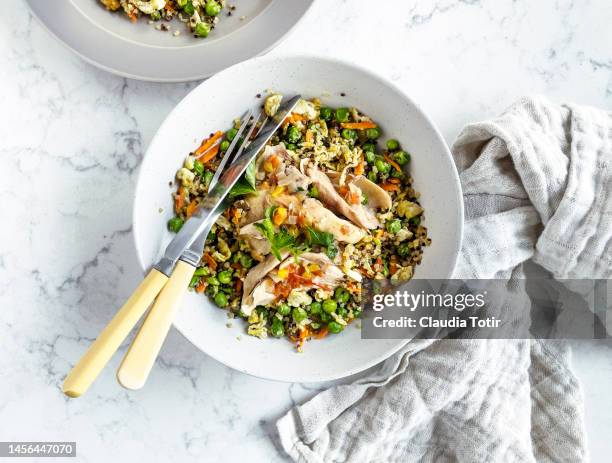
<point x="199" y="16"/>
<point x="324" y="207"/>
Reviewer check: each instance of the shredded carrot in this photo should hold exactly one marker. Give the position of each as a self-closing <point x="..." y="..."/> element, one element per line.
<point x="360" y="168"/>
<point x="392" y="162"/>
<point x="210" y="261"/>
<point x="133" y="16"/>
<point x="208" y="143"/>
<point x="238" y="285"/>
<point x="321" y="333"/>
<point x="293" y="118"/>
<point x="275" y="161"/>
<point x="354" y="198"/>
<point x="394" y="180"/>
<point x="303" y="334"/>
<point x="359" y="125"/>
<point x="209" y="155"/>
<point x="392" y="267"/>
<point x="201" y="286"/>
<point x="191" y="208"/>
<point x="390" y="187"/>
<point x="343" y="190"/>
<point x="179" y="200"/>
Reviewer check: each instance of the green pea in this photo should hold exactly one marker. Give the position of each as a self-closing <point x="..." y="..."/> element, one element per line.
<point x="326" y="113"/>
<point x="394" y="226"/>
<point x="416" y="221"/>
<point x="342" y="114"/>
<point x="293" y="134"/>
<point x="246" y="261"/>
<point x="198" y="167"/>
<point x="364" y="200"/>
<point x="342" y="312"/>
<point x="291" y="146"/>
<point x="231" y="134"/>
<point x="212" y="236"/>
<point x="284" y="309"/>
<point x="194" y="281"/>
<point x="382" y="165"/>
<point x="227" y="289"/>
<point x="370" y="157"/>
<point x="201" y="271"/>
<point x="175" y="224"/>
<point x="341" y="295"/>
<point x="356" y="313"/>
<point x="373" y="133"/>
<point x="189" y="8"/>
<point x="277" y="329"/>
<point x="207" y="177"/>
<point x="325" y="317"/>
<point x="313" y="192"/>
<point x="403" y="250"/>
<point x="212" y="8"/>
<point x="349" y="134"/>
<point x="372" y="176"/>
<point x="212" y="281"/>
<point x="401" y="157"/>
<point x="155" y="16"/>
<point x="225" y="277"/>
<point x="299" y="314"/>
<point x="202" y="29"/>
<point x="224" y="146"/>
<point x="315" y="325"/>
<point x="334" y="327"/>
<point x="329" y="306"/>
<point x="369" y="147"/>
<point x="182" y="3"/>
<point x="315" y="308"/>
<point x="397" y="173"/>
<point x="221" y="299"/>
<point x="392" y="144"/>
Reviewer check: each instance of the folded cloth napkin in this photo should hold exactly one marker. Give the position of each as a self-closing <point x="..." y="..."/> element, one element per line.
<point x="536" y="183"/>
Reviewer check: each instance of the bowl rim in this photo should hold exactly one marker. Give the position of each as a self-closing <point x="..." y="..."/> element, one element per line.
<point x="130" y="74"/>
<point x="458" y="236"/>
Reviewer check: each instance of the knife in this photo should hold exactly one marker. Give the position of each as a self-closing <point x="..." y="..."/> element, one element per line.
<point x="170" y="275"/>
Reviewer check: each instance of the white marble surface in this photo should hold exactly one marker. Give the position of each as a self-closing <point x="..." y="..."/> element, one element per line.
<point x="72" y="141"/>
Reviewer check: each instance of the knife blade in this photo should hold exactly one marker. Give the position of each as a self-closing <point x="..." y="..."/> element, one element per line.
<point x="188" y="244"/>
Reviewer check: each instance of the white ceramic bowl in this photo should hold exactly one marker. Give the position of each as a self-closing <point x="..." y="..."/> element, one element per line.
<point x="213" y="105"/>
<point x="111" y="42"/>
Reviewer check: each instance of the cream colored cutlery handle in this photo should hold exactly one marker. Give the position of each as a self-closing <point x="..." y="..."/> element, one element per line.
<point x="99" y="353"/>
<point x="141" y="355"/>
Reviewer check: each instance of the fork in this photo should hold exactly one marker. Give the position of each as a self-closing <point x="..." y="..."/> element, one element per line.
<point x="140" y="357"/>
<point x="167" y="294"/>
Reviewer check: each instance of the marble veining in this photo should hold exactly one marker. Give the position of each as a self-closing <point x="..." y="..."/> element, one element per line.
<point x="73" y="138"/>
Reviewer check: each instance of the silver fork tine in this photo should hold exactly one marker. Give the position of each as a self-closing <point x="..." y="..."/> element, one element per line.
<point x="228" y="154"/>
<point x="247" y="138"/>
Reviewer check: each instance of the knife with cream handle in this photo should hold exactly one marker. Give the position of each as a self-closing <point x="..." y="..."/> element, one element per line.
<point x="140" y="357"/>
<point x="102" y="349"/>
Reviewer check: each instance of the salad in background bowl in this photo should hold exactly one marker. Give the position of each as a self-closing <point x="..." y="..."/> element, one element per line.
<point x="430" y="172"/>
